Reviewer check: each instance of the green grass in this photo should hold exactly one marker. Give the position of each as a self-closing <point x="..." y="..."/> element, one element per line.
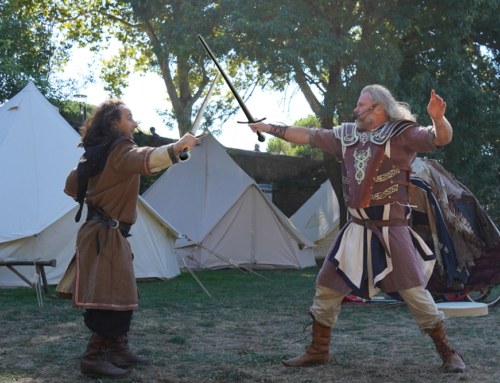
<point x="229" y="289"/>
<point x="239" y="335"/>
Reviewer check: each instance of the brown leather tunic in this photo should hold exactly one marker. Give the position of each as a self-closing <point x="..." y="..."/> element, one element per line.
<point x="107" y="281"/>
<point x="376" y="167"/>
<point x="369" y="177"/>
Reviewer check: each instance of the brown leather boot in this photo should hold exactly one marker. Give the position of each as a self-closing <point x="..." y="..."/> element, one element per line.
<point x="452" y="361"/>
<point x="94" y="364"/>
<point x="120" y="355"/>
<point x="319" y="350"/>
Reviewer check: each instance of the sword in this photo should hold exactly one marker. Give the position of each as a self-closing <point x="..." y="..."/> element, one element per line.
<point x="251" y="120"/>
<point x="185" y="154"/>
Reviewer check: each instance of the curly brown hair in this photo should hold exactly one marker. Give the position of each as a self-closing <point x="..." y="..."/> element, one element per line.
<point x="100" y="124"/>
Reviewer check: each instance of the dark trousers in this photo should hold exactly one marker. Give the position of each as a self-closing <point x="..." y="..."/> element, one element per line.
<point x="108" y="323"/>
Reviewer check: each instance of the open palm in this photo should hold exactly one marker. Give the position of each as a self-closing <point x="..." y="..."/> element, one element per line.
<point x="436" y="107"/>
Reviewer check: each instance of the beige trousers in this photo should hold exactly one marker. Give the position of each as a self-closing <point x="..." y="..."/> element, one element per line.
<point x="326" y="306"/>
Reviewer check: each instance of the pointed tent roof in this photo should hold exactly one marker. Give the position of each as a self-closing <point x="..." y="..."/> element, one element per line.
<point x="319" y="215"/>
<point x="203" y="202"/>
<point x="197" y="194"/>
<point x="37" y="218"/>
<point x="37" y="150"/>
<point x="212" y="182"/>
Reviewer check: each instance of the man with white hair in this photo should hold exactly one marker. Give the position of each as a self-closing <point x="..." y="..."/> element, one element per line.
<point x="375" y="250"/>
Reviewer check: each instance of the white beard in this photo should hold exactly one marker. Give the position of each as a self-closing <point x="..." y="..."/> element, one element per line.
<point x="364" y="122"/>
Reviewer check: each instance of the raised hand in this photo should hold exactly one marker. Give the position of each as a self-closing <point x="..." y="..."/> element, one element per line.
<point x="436" y="107"/>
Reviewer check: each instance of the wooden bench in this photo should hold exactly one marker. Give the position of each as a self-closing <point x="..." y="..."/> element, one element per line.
<point x="39" y="263"/>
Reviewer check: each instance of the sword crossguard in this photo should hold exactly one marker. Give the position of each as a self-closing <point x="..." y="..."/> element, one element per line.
<point x="251" y="122"/>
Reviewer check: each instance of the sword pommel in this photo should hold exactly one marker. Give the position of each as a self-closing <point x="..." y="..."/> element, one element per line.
<point x="260" y="136"/>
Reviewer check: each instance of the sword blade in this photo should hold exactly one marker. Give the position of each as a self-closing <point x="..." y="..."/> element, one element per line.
<point x="199" y="116"/>
<point x="186" y="155"/>
<point x="228" y="81"/>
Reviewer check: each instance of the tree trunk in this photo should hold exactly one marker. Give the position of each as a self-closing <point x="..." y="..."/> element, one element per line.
<point x="183" y="116"/>
<point x="182" y="99"/>
<point x="334" y="173"/>
<point x="332" y="164"/>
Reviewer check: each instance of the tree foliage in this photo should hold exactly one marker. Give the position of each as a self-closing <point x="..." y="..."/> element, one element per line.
<point x="72" y="111"/>
<point x="329" y="49"/>
<point x="332" y="49"/>
<point x="158" y="36"/>
<point x="278" y="146"/>
<point x="28" y="50"/>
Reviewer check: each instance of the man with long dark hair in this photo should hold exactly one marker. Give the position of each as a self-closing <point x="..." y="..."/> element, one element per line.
<point x="376" y="250"/>
<point x="101" y="276"/>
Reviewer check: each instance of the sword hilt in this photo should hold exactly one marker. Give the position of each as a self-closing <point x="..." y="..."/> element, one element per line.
<point x="184" y="155"/>
<point x="259" y="133"/>
<point x="260" y="136"/>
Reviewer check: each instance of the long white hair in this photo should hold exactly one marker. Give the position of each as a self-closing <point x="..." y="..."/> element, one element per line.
<point x="395" y="110"/>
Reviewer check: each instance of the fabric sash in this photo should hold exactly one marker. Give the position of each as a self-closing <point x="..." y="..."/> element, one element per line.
<point x="372" y="225"/>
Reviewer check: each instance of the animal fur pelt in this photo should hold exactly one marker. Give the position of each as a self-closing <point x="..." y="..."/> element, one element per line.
<point x="439" y="178"/>
<point x="474" y="235"/>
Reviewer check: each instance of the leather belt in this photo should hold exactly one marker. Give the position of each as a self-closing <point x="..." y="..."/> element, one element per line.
<point x="97" y="214"/>
<point x="371" y="224"/>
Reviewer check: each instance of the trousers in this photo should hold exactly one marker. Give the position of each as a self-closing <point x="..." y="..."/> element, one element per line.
<point x="108" y="323"/>
<point x="327" y="302"/>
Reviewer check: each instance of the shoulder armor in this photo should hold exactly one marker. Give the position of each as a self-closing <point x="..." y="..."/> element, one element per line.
<point x="337" y="131"/>
<point x="348" y="132"/>
<point x="391" y="129"/>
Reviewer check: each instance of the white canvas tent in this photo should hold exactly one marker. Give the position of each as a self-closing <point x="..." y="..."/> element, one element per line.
<point x="38" y="148"/>
<point x="319" y="219"/>
<point x="216" y="204"/>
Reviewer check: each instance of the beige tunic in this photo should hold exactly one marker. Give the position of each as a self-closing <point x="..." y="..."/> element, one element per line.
<point x="107" y="281"/>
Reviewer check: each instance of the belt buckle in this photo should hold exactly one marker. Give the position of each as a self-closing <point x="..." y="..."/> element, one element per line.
<point x="117" y="224"/>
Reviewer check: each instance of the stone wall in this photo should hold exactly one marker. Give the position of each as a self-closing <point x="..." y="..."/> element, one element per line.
<point x="293" y="179"/>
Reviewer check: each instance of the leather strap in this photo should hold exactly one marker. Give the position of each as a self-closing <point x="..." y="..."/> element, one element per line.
<point x="371" y="224"/>
<point x="97" y="214"/>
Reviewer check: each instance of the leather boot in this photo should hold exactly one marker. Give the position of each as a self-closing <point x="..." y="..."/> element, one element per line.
<point x="94" y="364"/>
<point x="319" y="350"/>
<point x="452" y="361"/>
<point x="120" y="355"/>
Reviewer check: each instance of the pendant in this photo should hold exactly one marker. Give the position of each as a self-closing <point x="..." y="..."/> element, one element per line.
<point x="360" y="161"/>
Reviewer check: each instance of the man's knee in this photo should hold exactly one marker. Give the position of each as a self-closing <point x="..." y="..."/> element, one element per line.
<point x="326" y="305"/>
<point x="422" y="307"/>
